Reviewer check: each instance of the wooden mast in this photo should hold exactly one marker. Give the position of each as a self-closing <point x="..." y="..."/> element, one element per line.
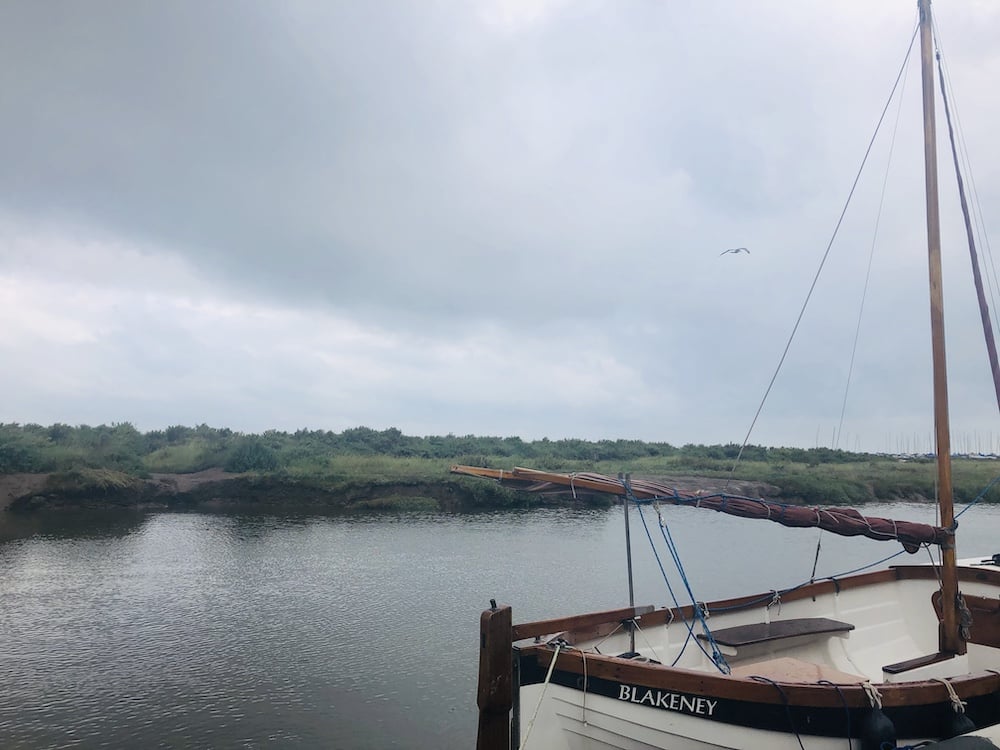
<point x="950" y="640"/>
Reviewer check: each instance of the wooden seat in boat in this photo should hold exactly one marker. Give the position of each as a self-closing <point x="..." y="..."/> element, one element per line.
<point x="916" y="663"/>
<point x="762" y="632"/>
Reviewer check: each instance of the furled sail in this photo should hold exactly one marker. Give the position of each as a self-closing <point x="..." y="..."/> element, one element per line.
<point x="843" y="521"/>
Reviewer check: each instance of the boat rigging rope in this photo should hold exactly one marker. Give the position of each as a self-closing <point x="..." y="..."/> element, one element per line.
<point x="847" y="709"/>
<point x="689" y="626"/>
<point x="984" y="312"/>
<point x="822" y="263"/>
<point x="597" y="646"/>
<point x="650" y="646"/>
<point x="541" y="696"/>
<point x="769" y="599"/>
<point x="990" y="267"/>
<point x="784" y="700"/>
<point x="819" y="544"/>
<point x="876" y="564"/>
<point x="980" y="496"/>
<point x="871" y="258"/>
<point x="716" y="655"/>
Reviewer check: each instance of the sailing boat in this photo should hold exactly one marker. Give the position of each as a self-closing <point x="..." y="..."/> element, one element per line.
<point x="895" y="657"/>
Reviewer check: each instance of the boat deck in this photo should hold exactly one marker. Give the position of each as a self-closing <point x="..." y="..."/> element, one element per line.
<point x="879" y="633"/>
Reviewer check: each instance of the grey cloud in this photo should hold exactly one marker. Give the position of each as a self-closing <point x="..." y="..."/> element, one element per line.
<point x="361" y="154"/>
<point x="429" y="171"/>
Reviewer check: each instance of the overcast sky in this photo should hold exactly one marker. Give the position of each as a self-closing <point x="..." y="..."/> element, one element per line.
<point x="490" y="217"/>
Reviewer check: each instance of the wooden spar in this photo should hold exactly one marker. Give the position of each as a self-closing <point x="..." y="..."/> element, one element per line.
<point x="950" y="640"/>
<point x="495" y="695"/>
<point x="578" y="481"/>
<point x="843" y="521"/>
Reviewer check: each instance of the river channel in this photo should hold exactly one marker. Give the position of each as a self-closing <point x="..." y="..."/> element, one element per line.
<point x="241" y="630"/>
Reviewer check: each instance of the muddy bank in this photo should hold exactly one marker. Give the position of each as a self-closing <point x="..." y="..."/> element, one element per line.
<point x="15" y="486"/>
<point x="216" y="489"/>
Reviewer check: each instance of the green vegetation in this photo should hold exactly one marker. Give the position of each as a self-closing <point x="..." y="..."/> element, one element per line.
<point x="93" y="481"/>
<point x="412" y="470"/>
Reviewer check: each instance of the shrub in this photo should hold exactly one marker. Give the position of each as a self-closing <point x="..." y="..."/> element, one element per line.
<point x="251" y="454"/>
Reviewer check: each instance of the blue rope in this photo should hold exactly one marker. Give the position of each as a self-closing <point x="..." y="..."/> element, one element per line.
<point x="659" y="562"/>
<point x="782" y="592"/>
<point x="866" y="567"/>
<point x="689" y="626"/>
<point x="980" y="496"/>
<point x="716" y="656"/>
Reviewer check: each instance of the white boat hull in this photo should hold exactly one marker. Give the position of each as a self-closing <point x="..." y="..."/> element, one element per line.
<point x="811" y="669"/>
<point x="566" y="724"/>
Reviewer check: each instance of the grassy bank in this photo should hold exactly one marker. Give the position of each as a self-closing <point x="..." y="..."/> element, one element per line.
<point x="386" y="469"/>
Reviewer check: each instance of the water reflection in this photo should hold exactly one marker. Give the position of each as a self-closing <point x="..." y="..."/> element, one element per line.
<point x="305" y="630"/>
<point x="70" y="524"/>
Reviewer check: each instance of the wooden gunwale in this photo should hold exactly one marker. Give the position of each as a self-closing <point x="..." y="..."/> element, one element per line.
<point x="676" y="679"/>
<point x="657" y="676"/>
<point x="579" y="624"/>
<point x="576" y="622"/>
<point x="808" y="591"/>
<point x="965" y="575"/>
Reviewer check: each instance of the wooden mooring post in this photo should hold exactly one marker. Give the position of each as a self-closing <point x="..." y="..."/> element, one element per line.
<point x="495" y="695"/>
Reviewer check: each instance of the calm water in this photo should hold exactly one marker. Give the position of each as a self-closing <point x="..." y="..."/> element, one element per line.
<point x="250" y="631"/>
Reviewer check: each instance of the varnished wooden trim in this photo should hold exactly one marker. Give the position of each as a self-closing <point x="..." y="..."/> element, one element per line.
<point x="923" y="692"/>
<point x="917" y="662"/>
<point x="762" y="632"/>
<point x="985" y="627"/>
<point x="819" y="588"/>
<point x="577" y="622"/>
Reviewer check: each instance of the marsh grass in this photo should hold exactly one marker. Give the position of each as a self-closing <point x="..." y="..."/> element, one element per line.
<point x="338" y="469"/>
<point x="195" y="455"/>
<point x="87" y="480"/>
<point x="876" y="479"/>
<point x="360" y="458"/>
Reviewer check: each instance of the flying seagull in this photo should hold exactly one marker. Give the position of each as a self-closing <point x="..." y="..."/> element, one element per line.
<point x="735" y="251"/>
